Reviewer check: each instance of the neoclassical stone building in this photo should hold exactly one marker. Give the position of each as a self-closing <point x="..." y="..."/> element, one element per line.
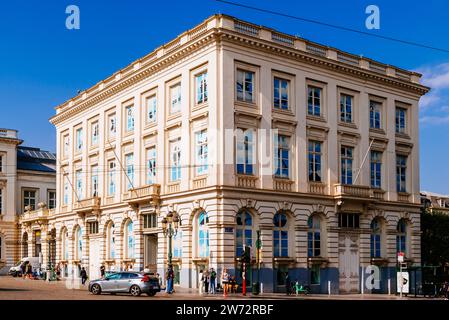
<point x="27" y="184"/>
<point x="238" y="128"/>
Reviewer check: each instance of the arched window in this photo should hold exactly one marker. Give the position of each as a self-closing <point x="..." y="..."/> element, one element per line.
<point x="79" y="243"/>
<point x="111" y="241"/>
<point x="243" y="231"/>
<point x="280" y="235"/>
<point x="401" y="236"/>
<point x="203" y="234"/>
<point x="25" y="245"/>
<point x="129" y="236"/>
<point x="314" y="236"/>
<point x="177" y="245"/>
<point x="65" y="245"/>
<point x="376" y="235"/>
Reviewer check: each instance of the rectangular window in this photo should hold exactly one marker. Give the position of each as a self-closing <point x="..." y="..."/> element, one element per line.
<point x="95" y="133"/>
<point x="112" y="126"/>
<point x="175" y="160"/>
<point x="151" y="109"/>
<point x="375" y="246"/>
<point x="150" y="221"/>
<point x="314" y="158"/>
<point x="201" y="152"/>
<point x="94" y="181"/>
<point x="245" y="86"/>
<point x="29" y="199"/>
<point x="79" y="139"/>
<point x="175" y="98"/>
<point x="111" y="178"/>
<point x="282" y="156"/>
<point x="201" y="88"/>
<point x="1" y="201"/>
<point x="245" y="153"/>
<point x="346" y="157"/>
<point x="376" y="169"/>
<point x="375" y="115"/>
<point x="401" y="120"/>
<point x="129" y="163"/>
<point x="346" y="104"/>
<point x="129" y="118"/>
<point x="280" y="93"/>
<point x="51" y="199"/>
<point x="66" y="190"/>
<point x="401" y="173"/>
<point x="66" y="145"/>
<point x="79" y="184"/>
<point x="314" y="101"/>
<point x="151" y="165"/>
<point x="93" y="227"/>
<point x="348" y="220"/>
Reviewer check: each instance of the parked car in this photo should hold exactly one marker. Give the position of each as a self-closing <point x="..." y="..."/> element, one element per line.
<point x="134" y="283"/>
<point x="16" y="271"/>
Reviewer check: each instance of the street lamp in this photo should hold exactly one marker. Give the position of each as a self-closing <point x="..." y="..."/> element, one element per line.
<point x="170" y="224"/>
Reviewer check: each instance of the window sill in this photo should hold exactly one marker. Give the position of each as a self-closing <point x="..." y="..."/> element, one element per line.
<point x="283" y="260"/>
<point x="347" y="124"/>
<point x="287" y="112"/>
<point x="377" y="130"/>
<point x="379" y="261"/>
<point x="173" y="116"/>
<point x="246" y="104"/>
<point x="317" y="260"/>
<point x="402" y="135"/>
<point x="199" y="106"/>
<point x="315" y="118"/>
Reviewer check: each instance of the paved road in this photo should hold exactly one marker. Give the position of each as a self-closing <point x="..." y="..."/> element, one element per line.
<point x="20" y="289"/>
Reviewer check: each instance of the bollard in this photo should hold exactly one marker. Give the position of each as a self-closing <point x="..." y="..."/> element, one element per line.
<point x="329" y="287"/>
<point x="261" y="288"/>
<point x="389" y="286"/>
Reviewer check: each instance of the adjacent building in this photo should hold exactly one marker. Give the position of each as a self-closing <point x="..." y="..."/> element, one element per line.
<point x="435" y="202"/>
<point x="27" y="184"/>
<point x="236" y="128"/>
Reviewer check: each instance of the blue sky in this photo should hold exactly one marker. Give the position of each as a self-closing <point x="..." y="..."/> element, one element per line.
<point x="42" y="63"/>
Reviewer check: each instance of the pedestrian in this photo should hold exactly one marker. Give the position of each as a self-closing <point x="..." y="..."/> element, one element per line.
<point x="170" y="277"/>
<point x="212" y="278"/>
<point x="288" y="286"/>
<point x="23" y="269"/>
<point x="201" y="282"/>
<point x="206" y="276"/>
<point x="83" y="275"/>
<point x="161" y="285"/>
<point x="225" y="281"/>
<point x="29" y="270"/>
<point x="102" y="271"/>
<point x="58" y="271"/>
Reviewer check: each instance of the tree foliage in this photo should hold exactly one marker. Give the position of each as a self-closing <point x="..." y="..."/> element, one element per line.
<point x="435" y="238"/>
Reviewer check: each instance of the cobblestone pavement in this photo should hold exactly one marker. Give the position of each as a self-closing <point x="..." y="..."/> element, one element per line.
<point x="20" y="289"/>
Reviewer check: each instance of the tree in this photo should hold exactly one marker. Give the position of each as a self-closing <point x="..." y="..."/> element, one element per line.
<point x="435" y="238"/>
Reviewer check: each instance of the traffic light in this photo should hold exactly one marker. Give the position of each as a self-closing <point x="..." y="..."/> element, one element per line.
<point x="246" y="256"/>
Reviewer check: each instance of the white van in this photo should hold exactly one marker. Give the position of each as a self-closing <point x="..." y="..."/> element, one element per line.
<point x="17" y="269"/>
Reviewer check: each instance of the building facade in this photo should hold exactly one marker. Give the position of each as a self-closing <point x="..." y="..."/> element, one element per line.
<point x="435" y="202"/>
<point x="27" y="185"/>
<point x="238" y="128"/>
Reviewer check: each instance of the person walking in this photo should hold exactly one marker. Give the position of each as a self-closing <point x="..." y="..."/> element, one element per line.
<point x="225" y="281"/>
<point x="206" y="276"/>
<point x="29" y="270"/>
<point x="212" y="279"/>
<point x="83" y="275"/>
<point x="23" y="269"/>
<point x="288" y="286"/>
<point x="102" y="271"/>
<point x="201" y="287"/>
<point x="170" y="277"/>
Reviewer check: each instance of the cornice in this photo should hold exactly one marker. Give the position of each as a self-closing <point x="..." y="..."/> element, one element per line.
<point x="136" y="77"/>
<point x="327" y="63"/>
<point x="175" y="51"/>
<point x="11" y="141"/>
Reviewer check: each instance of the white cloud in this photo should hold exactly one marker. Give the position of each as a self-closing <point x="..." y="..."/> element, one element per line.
<point x="434" y="120"/>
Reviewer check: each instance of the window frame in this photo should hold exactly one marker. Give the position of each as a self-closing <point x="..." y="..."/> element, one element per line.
<point x="281" y="228"/>
<point x="36" y="198"/>
<point x="50" y="199"/>
<point x="111" y="177"/>
<point x="94" y="124"/>
<point x="130" y="174"/>
<point x="403" y="168"/>
<point x="129" y="105"/>
<point x="346" y="158"/>
<point x="290" y="99"/>
<point x="249" y="151"/>
<point x="111" y="115"/>
<point x="201" y="162"/>
<point x="243" y="228"/>
<point x="79" y="140"/>
<point x="173" y="143"/>
<point x="204" y="83"/>
<point x="245" y="67"/>
<point x="379" y="103"/>
<point x="314" y="154"/>
<point x="405" y="129"/>
<point x="151" y="169"/>
<point x="314" y="250"/>
<point x="375" y="170"/>
<point x="279" y="157"/>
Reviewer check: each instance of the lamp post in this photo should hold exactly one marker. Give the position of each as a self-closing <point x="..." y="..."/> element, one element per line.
<point x="49" y="257"/>
<point x="170" y="225"/>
